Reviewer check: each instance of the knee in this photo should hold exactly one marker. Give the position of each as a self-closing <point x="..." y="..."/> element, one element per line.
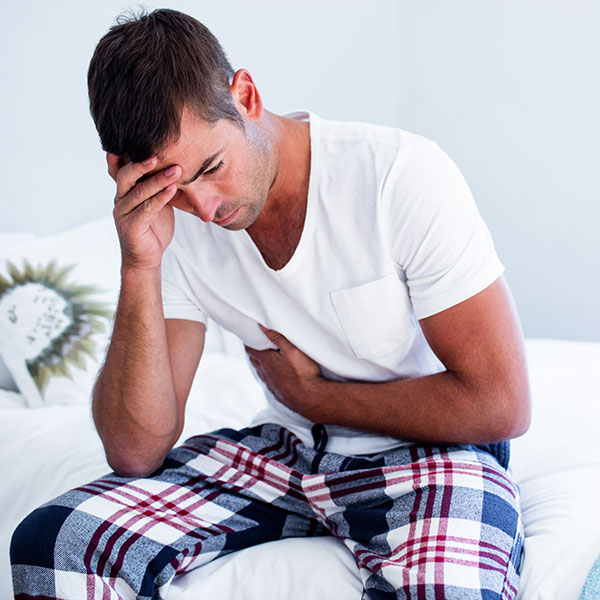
<point x="35" y="538"/>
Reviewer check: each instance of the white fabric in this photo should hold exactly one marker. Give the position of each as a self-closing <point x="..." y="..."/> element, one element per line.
<point x="391" y="235"/>
<point x="556" y="464"/>
<point x="557" y="467"/>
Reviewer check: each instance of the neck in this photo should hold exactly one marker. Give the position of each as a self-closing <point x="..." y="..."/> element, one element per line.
<point x="289" y="190"/>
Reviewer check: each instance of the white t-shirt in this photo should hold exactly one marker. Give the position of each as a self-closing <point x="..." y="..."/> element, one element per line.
<point x="391" y="235"/>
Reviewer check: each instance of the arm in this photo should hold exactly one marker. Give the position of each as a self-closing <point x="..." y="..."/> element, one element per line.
<point x="481" y="397"/>
<point x="139" y="397"/>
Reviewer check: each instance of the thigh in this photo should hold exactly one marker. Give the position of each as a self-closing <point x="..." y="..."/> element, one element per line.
<point x="214" y="494"/>
<point x="429" y="522"/>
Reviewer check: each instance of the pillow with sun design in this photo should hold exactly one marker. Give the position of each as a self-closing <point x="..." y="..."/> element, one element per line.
<point x="48" y="323"/>
<point x="57" y="298"/>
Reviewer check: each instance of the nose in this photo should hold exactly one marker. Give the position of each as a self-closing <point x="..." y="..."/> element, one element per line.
<point x="204" y="203"/>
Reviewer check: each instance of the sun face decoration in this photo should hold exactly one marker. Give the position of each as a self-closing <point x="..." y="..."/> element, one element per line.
<point x="47" y="321"/>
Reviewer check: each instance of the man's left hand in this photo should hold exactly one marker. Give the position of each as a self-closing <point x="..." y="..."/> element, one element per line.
<point x="290" y="375"/>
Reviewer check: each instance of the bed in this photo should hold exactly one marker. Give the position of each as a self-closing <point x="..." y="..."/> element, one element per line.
<point x="49" y="444"/>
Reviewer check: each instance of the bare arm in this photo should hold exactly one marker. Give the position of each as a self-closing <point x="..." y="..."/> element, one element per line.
<point x="481" y="397"/>
<point x="139" y="397"/>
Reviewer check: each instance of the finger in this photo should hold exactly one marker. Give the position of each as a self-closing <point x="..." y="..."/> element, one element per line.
<point x="113" y="161"/>
<point x="147" y="210"/>
<point x="129" y="173"/>
<point x="279" y="340"/>
<point x="261" y="354"/>
<point x="150" y="187"/>
<point x="257" y="366"/>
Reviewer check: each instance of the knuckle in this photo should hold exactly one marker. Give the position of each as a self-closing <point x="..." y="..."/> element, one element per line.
<point x="170" y="190"/>
<point x="138" y="192"/>
<point x="119" y="175"/>
<point x="149" y="205"/>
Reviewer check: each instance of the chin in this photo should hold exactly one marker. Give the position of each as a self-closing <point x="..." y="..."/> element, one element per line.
<point x="240" y="222"/>
<point x="234" y="226"/>
<point x="246" y="219"/>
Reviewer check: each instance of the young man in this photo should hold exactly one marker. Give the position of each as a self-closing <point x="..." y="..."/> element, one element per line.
<point x="353" y="264"/>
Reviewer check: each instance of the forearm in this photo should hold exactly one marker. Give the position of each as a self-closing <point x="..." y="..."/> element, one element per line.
<point x="134" y="402"/>
<point x="481" y="397"/>
<point x="439" y="408"/>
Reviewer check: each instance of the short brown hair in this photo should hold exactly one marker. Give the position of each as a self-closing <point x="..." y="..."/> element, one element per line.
<point x="145" y="70"/>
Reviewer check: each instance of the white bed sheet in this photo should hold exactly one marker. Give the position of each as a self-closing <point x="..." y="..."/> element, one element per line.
<point x="556" y="464"/>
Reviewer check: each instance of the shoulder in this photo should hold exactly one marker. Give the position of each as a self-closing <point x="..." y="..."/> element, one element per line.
<point x="393" y="156"/>
<point x="358" y="134"/>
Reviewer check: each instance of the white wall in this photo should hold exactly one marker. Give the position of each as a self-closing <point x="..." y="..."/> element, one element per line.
<point x="509" y="89"/>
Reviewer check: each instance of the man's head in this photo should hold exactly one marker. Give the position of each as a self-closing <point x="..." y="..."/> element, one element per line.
<point x="160" y="85"/>
<point x="145" y="70"/>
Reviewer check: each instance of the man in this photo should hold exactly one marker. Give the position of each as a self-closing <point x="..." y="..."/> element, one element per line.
<point x="352" y="262"/>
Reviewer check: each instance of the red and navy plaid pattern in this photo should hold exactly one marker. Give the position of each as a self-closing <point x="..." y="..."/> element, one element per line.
<point x="423" y="522"/>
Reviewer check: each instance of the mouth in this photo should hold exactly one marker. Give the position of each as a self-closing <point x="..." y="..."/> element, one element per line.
<point x="226" y="220"/>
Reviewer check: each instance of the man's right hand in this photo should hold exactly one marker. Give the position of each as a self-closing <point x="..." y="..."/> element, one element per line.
<point x="145" y="221"/>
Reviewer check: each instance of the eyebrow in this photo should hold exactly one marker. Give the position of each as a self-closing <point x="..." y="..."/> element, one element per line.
<point x="203" y="167"/>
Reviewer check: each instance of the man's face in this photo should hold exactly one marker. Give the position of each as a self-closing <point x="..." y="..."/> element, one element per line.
<point x="227" y="173"/>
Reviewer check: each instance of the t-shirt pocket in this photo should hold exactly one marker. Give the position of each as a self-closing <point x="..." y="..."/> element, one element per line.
<point x="375" y="316"/>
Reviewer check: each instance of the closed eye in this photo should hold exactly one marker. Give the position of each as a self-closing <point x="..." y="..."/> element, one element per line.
<point x="214" y="169"/>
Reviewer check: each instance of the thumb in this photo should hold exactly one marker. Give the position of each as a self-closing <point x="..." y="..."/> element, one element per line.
<point x="279" y="340"/>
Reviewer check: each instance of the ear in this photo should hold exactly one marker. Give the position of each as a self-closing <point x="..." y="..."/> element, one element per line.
<point x="245" y="95"/>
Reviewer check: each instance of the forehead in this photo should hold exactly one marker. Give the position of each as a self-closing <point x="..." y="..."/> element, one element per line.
<point x="198" y="139"/>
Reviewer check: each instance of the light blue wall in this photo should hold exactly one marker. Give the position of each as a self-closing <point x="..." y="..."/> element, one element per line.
<point x="509" y="89"/>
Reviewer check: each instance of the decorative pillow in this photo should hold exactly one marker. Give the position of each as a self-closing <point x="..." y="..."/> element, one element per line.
<point x="57" y="298"/>
<point x="48" y="324"/>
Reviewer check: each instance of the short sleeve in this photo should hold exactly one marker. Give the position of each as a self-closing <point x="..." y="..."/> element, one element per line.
<point x="437" y="236"/>
<point x="176" y="291"/>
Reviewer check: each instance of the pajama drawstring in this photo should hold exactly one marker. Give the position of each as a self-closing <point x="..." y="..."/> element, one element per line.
<point x="320" y="437"/>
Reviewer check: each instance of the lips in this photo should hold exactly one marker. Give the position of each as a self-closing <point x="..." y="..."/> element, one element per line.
<point x="226" y="220"/>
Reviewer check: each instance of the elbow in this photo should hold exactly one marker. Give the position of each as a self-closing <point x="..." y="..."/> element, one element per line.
<point x="516" y="427"/>
<point x="502" y="406"/>
<point x="524" y="422"/>
<point x="513" y="418"/>
<point x="132" y="459"/>
<point x="136" y="459"/>
<point x="133" y="467"/>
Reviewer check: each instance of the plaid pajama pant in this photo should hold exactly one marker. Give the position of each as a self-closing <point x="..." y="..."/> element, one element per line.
<point x="423" y="522"/>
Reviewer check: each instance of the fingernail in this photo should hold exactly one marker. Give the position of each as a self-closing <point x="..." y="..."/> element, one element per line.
<point x="149" y="161"/>
<point x="170" y="171"/>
